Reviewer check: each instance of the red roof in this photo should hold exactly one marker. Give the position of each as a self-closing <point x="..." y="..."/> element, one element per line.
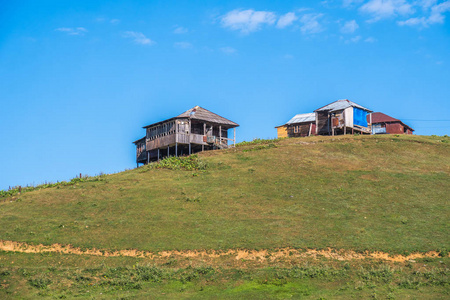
<point x="378" y="117"/>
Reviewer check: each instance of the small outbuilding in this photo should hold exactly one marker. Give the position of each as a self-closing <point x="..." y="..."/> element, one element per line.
<point x="300" y="125"/>
<point x="382" y="124"/>
<point x="342" y="117"/>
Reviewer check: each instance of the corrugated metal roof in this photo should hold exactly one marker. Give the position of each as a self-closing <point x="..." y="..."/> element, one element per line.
<point x="340" y="105"/>
<point x="201" y="114"/>
<point x="378" y="117"/>
<point x="300" y="118"/>
<point x="137" y="141"/>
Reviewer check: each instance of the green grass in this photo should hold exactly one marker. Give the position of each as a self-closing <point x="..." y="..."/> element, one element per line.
<point x="361" y="193"/>
<point x="69" y="276"/>
<point x="376" y="193"/>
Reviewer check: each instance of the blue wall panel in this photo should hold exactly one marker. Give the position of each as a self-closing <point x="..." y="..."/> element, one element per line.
<point x="359" y="117"/>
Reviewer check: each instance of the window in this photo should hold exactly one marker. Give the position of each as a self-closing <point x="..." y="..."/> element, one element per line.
<point x="295" y="128"/>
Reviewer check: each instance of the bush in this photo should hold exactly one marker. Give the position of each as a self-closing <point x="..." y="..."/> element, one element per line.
<point x="39" y="282"/>
<point x="189" y="163"/>
<point x="258" y="142"/>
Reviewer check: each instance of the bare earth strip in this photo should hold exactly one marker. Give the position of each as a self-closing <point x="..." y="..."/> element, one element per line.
<point x="238" y="254"/>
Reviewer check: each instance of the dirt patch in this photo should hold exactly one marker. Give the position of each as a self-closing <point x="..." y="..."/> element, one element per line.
<point x="236" y="254"/>
<point x="369" y="177"/>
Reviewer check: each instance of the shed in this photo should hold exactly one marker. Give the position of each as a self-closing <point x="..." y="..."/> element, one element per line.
<point x="342" y="117"/>
<point x="382" y="123"/>
<point x="300" y="125"/>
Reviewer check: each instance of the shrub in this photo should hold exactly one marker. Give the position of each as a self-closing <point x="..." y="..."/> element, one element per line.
<point x="39" y="282"/>
<point x="189" y="163"/>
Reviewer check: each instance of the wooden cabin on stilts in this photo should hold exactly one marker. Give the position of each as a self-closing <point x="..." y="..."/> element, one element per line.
<point x="195" y="130"/>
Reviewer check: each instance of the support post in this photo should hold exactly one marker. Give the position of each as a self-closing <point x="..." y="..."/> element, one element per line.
<point x="371" y="130"/>
<point x="176" y="149"/>
<point x="220" y="135"/>
<point x="168" y="151"/>
<point x="148" y="157"/>
<point x="158" y="154"/>
<point x="204" y="134"/>
<point x="310" y="127"/>
<point x="189" y="137"/>
<point x="345" y="130"/>
<point x="234" y="137"/>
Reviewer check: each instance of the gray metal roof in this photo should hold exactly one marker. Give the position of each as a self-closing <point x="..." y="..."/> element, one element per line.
<point x="205" y="115"/>
<point x="300" y="118"/>
<point x="139" y="140"/>
<point x="201" y="114"/>
<point x="340" y="105"/>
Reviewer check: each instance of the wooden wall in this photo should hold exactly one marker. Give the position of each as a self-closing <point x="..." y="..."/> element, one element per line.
<point x="282" y="132"/>
<point x="300" y="130"/>
<point x="322" y="123"/>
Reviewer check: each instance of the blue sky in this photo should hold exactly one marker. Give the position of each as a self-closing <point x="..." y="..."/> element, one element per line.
<point x="79" y="79"/>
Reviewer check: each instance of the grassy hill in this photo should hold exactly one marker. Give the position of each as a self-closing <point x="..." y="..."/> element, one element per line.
<point x="375" y="193"/>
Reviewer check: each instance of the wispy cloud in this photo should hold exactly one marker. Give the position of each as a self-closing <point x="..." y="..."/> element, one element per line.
<point x="183" y="45"/>
<point x="114" y="21"/>
<point x="382" y="9"/>
<point x="370" y="40"/>
<point x="180" y="30"/>
<point x="72" y="31"/>
<point x="311" y="24"/>
<point x="349" y="27"/>
<point x="138" y="37"/>
<point x="436" y="15"/>
<point x="426" y="3"/>
<point x="286" y="20"/>
<point x="355" y="39"/>
<point x="228" y="50"/>
<point x="247" y="21"/>
<point x="349" y="3"/>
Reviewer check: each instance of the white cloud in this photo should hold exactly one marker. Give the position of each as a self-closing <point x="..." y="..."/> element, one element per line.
<point x="180" y="30"/>
<point x="72" y="31"/>
<point x="370" y="40"/>
<point x="288" y="56"/>
<point x="114" y="21"/>
<point x="248" y="20"/>
<point x="311" y="24"/>
<point x="349" y="27"/>
<point x="286" y="20"/>
<point x="183" y="45"/>
<point x="347" y="3"/>
<point x="355" y="39"/>
<point x="381" y="9"/>
<point x="426" y="3"/>
<point x="138" y="37"/>
<point x="436" y="16"/>
<point x="437" y="12"/>
<point x="228" y="50"/>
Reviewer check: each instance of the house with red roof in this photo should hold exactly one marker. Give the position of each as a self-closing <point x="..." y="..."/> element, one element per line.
<point x="382" y="124"/>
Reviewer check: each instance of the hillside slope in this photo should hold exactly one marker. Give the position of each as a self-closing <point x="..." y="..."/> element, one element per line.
<point x="386" y="193"/>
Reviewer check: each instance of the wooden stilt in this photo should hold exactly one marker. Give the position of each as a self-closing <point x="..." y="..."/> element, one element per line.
<point x="204" y="134"/>
<point x="189" y="137"/>
<point x="158" y="154"/>
<point x="234" y="137"/>
<point x="176" y="149"/>
<point x="220" y="135"/>
<point x="168" y="151"/>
